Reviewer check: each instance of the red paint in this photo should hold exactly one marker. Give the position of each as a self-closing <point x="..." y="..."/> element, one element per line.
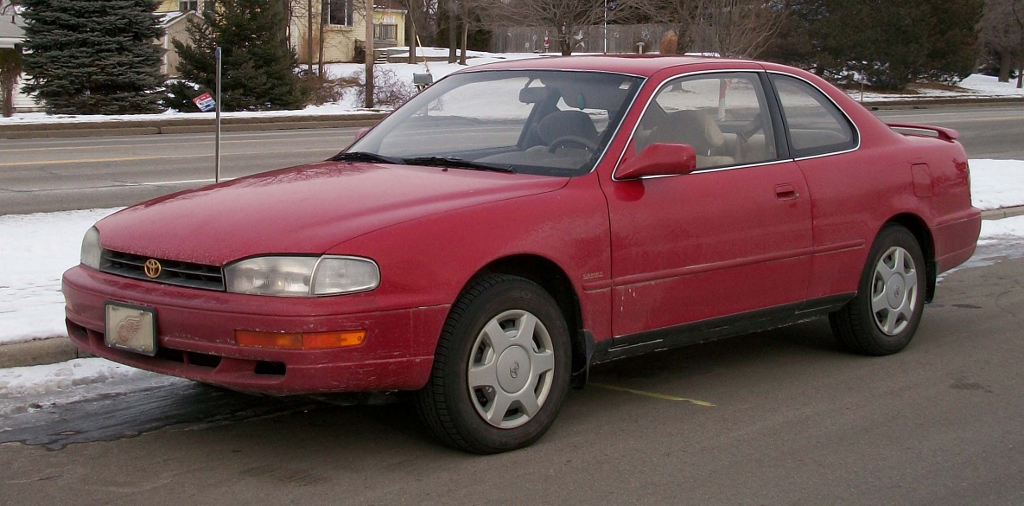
<point x="641" y="254"/>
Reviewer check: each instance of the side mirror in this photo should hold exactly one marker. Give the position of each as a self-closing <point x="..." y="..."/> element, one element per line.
<point x="660" y="160"/>
<point x="361" y="132"/>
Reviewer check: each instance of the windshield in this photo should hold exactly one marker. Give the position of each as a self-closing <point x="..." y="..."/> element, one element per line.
<point x="544" y="122"/>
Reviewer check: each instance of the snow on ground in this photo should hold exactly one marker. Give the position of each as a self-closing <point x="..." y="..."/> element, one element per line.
<point x="974" y="87"/>
<point x="996" y="183"/>
<point x="36" y="249"/>
<point x="43" y="386"/>
<point x="349" y="104"/>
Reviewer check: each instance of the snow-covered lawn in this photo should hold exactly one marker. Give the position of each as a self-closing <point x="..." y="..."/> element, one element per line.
<point x="37" y="248"/>
<point x="349" y="104"/>
<point x="975" y="86"/>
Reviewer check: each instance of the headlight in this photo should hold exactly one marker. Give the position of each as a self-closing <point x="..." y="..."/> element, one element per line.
<point x="302" y="276"/>
<point x="91" y="251"/>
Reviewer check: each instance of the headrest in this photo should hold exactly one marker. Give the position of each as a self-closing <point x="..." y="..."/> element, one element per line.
<point x="562" y="123"/>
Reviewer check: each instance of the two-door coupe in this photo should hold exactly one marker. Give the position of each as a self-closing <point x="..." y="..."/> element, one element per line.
<point x="517" y="222"/>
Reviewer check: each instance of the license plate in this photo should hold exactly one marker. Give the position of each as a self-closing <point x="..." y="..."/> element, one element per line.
<point x="131" y="328"/>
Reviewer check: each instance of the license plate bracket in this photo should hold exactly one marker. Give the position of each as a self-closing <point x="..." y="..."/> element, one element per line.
<point x="131" y="328"/>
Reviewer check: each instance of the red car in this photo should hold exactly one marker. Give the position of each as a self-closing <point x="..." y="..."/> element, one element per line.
<point x="518" y="222"/>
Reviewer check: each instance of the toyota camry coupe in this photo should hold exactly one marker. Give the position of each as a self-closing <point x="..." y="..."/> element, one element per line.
<point x="518" y="222"/>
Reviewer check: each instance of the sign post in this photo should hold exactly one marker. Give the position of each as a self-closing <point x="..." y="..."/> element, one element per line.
<point x="216" y="176"/>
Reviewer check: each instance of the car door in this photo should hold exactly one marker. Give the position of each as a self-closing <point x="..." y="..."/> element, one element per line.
<point x="846" y="185"/>
<point x="732" y="237"/>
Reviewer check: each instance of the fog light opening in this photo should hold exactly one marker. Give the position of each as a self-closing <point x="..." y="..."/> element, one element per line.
<point x="270" y="368"/>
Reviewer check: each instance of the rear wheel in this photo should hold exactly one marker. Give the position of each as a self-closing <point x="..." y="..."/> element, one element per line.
<point x="884" y="315"/>
<point x="501" y="370"/>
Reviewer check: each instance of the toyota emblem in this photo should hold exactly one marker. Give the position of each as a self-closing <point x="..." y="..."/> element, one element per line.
<point x="152" y="268"/>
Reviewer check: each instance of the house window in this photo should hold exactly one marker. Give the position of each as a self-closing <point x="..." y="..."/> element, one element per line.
<point x="188" y="5"/>
<point x="385" y="32"/>
<point x="339" y="12"/>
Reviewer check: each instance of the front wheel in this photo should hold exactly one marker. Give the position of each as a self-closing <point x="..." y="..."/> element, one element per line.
<point x="501" y="370"/>
<point x="884" y="315"/>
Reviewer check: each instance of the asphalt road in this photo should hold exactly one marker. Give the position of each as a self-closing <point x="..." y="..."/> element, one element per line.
<point x="39" y="175"/>
<point x="794" y="421"/>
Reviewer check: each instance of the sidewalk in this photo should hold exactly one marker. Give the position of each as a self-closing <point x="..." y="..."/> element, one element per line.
<point x="59" y="349"/>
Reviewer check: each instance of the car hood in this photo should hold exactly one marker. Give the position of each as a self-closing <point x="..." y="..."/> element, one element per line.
<point x="302" y="210"/>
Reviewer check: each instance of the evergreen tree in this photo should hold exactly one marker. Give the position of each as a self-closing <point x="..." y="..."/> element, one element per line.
<point x="891" y="44"/>
<point x="258" y="66"/>
<point x="93" y="57"/>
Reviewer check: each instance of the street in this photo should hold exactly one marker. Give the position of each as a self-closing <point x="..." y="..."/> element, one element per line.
<point x="40" y="175"/>
<point x="794" y="421"/>
<point x="777" y="417"/>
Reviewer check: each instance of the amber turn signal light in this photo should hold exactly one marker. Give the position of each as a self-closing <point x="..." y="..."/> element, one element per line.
<point x="307" y="341"/>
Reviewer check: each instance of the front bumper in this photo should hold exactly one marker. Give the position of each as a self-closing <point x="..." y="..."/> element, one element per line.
<point x="195" y="337"/>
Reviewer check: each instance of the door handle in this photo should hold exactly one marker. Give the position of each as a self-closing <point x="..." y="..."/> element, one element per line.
<point x="786" y="191"/>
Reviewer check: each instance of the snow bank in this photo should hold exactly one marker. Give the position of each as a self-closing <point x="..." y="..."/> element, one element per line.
<point x="997" y="183"/>
<point x="36" y="249"/>
<point x="25" y="389"/>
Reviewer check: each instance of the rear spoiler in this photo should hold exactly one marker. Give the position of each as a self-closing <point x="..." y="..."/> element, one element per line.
<point x="946" y="134"/>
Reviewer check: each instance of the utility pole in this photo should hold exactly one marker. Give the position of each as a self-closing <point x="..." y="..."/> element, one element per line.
<point x="369" y="53"/>
<point x="309" y="34"/>
<point x="605" y="26"/>
<point x="216" y="177"/>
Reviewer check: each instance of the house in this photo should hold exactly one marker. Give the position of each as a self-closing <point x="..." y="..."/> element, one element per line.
<point x="343" y="27"/>
<point x="174" y="25"/>
<point x="338" y="23"/>
<point x="11" y="37"/>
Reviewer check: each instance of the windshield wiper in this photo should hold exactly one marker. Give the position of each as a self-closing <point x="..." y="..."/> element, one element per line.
<point x="445" y="161"/>
<point x="363" y="156"/>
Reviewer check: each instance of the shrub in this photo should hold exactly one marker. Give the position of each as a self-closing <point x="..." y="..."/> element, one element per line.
<point x="389" y="90"/>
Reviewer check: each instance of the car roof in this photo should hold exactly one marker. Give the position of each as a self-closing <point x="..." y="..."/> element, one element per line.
<point x="635" y="64"/>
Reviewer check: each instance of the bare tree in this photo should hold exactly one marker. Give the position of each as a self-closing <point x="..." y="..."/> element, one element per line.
<point x="736" y="28"/>
<point x="10" y="66"/>
<point x="1017" y="7"/>
<point x="1002" y="30"/>
<point x="682" y="15"/>
<point x="567" y="17"/>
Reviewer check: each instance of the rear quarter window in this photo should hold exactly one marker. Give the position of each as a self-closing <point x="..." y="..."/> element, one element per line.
<point x="814" y="124"/>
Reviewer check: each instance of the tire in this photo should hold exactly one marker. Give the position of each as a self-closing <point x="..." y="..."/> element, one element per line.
<point x="882" y="318"/>
<point x="487" y="359"/>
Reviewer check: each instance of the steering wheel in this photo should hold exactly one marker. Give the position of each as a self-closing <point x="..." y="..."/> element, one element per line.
<point x="566" y="140"/>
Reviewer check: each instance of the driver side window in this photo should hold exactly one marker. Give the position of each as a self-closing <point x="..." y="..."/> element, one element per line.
<point x="723" y="116"/>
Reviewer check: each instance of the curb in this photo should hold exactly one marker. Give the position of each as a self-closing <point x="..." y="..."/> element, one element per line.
<point x="1002" y="212"/>
<point x="923" y="103"/>
<point x="41" y="351"/>
<point x="187" y="125"/>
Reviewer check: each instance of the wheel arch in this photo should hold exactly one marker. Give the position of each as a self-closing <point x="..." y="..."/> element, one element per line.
<point x="554" y="280"/>
<point x="923" y="234"/>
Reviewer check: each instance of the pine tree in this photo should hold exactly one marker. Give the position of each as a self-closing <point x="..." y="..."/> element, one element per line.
<point x="93" y="57"/>
<point x="258" y="66"/>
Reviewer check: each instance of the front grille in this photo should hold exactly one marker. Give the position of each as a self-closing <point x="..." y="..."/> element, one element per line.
<point x="172" y="272"/>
